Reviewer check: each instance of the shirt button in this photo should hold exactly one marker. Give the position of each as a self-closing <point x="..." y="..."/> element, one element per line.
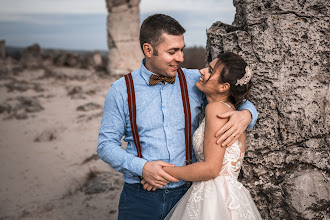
<point x="166" y="191"/>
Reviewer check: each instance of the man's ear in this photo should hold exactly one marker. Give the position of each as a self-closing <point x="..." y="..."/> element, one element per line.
<point x="147" y="49"/>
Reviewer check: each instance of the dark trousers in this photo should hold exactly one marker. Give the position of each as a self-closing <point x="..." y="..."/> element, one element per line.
<point x="137" y="203"/>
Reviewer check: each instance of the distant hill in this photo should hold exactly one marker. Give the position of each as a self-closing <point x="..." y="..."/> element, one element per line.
<point x="12" y="51"/>
<point x="194" y="56"/>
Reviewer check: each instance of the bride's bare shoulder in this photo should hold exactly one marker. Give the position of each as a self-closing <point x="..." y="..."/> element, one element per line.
<point x="215" y="108"/>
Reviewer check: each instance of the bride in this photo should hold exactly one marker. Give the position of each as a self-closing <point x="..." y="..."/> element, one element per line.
<point x="216" y="192"/>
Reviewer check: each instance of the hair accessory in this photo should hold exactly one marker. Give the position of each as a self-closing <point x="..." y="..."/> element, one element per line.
<point x="246" y="78"/>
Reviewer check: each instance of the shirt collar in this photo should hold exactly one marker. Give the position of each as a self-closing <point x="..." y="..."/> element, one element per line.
<point x="145" y="73"/>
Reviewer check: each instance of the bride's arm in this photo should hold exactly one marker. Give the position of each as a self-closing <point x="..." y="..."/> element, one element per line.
<point x="213" y="154"/>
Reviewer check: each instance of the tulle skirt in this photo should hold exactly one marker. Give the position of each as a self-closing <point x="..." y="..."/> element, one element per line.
<point x="220" y="198"/>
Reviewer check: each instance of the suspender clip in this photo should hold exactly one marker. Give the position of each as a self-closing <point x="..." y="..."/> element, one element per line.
<point x="188" y="161"/>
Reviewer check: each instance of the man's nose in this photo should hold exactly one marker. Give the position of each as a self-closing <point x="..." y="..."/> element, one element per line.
<point x="179" y="57"/>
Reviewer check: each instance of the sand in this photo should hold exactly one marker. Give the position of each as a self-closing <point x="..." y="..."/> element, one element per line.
<point x="43" y="167"/>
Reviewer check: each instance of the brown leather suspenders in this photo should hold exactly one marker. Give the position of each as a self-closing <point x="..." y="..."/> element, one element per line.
<point x="132" y="112"/>
<point x="186" y="107"/>
<point x="187" y="115"/>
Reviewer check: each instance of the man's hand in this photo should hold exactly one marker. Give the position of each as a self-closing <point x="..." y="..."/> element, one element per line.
<point x="147" y="186"/>
<point x="154" y="174"/>
<point x="234" y="128"/>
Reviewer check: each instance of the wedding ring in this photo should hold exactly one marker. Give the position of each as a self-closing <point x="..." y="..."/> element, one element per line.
<point x="233" y="135"/>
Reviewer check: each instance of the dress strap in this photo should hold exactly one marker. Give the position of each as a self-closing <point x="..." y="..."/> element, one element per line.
<point x="226" y="104"/>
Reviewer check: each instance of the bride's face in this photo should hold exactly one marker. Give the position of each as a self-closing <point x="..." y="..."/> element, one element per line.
<point x="209" y="81"/>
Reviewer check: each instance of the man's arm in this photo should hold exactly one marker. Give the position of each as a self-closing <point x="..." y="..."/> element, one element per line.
<point x="112" y="129"/>
<point x="109" y="148"/>
<point x="154" y="174"/>
<point x="245" y="117"/>
<point x="252" y="110"/>
<point x="213" y="154"/>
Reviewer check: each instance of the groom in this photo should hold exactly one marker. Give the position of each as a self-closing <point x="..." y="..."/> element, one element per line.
<point x="160" y="120"/>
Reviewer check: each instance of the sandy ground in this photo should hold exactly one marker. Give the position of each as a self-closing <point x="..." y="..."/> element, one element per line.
<point x="49" y="178"/>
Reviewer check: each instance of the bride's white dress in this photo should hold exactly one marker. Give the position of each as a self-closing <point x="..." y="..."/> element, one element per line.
<point x="220" y="198"/>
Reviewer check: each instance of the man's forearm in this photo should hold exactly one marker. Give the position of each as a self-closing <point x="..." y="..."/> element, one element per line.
<point x="112" y="129"/>
<point x="253" y="111"/>
<point x="119" y="159"/>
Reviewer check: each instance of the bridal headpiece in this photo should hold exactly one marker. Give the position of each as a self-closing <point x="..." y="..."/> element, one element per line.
<point x="246" y="78"/>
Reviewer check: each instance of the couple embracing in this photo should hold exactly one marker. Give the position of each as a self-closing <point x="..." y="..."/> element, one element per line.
<point x="157" y="109"/>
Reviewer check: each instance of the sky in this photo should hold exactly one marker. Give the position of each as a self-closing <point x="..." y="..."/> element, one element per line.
<point x="81" y="24"/>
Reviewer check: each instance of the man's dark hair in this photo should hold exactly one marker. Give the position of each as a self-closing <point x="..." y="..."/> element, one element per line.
<point x="154" y="26"/>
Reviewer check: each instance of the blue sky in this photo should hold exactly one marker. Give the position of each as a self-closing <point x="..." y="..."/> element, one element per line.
<point x="81" y="24"/>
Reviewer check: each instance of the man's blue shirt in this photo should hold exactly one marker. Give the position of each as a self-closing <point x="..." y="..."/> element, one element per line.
<point x="160" y="122"/>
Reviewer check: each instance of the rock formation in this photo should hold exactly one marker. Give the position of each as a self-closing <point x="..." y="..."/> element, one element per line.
<point x="287" y="45"/>
<point x="123" y="36"/>
<point x="34" y="57"/>
<point x="31" y="57"/>
<point x="2" y="49"/>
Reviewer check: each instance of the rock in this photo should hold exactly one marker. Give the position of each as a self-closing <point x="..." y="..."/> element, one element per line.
<point x="66" y="58"/>
<point x="93" y="157"/>
<point x="5" y="108"/>
<point x="20" y="86"/>
<point x="314" y="187"/>
<point x="25" y="214"/>
<point x="34" y="57"/>
<point x="75" y="92"/>
<point x="60" y="59"/>
<point x="103" y="182"/>
<point x="20" y="115"/>
<point x="30" y="104"/>
<point x="21" y="108"/>
<point x="46" y="136"/>
<point x="31" y="57"/>
<point x="125" y="54"/>
<point x="50" y="73"/>
<point x="97" y="59"/>
<point x="112" y="212"/>
<point x="88" y="107"/>
<point x="38" y="87"/>
<point x="85" y="118"/>
<point x="2" y="49"/>
<point x="87" y="62"/>
<point x="286" y="45"/>
<point x="48" y="57"/>
<point x="72" y="60"/>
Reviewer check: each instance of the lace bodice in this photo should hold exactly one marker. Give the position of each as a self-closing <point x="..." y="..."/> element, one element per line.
<point x="233" y="157"/>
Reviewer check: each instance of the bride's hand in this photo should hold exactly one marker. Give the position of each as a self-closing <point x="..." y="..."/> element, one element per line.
<point x="234" y="128"/>
<point x="147" y="186"/>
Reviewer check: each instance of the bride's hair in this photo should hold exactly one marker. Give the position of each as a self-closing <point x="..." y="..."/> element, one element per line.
<point x="234" y="68"/>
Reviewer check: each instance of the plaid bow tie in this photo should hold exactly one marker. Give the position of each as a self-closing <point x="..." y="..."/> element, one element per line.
<point x="154" y="79"/>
